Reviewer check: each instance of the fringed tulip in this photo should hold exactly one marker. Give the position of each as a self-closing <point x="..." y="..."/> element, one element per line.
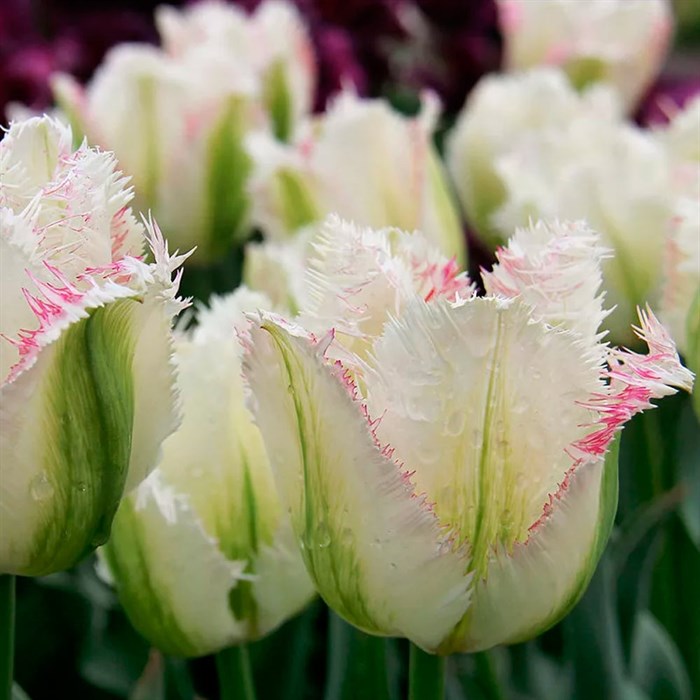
<point x="620" y="42"/>
<point x="526" y="104"/>
<point x="202" y="553"/>
<point x="87" y="391"/>
<point x="585" y="165"/>
<point x="449" y="461"/>
<point x="176" y="117"/>
<point x="363" y="161"/>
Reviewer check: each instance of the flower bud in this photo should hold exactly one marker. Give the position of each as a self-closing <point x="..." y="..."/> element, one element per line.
<point x="85" y="346"/>
<point x="620" y="42"/>
<point x="202" y="553"/>
<point x="450" y="461"/>
<point x="176" y="117"/>
<point x="585" y="165"/>
<point x="364" y="162"/>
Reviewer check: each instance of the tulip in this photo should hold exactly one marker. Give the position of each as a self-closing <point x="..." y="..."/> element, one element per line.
<point x="679" y="305"/>
<point x="273" y="41"/>
<point x="539" y="101"/>
<point x="449" y="461"/>
<point x="202" y="553"/>
<point x="621" y="42"/>
<point x="390" y="175"/>
<point x="611" y="173"/>
<point x="176" y="116"/>
<point x="87" y="391"/>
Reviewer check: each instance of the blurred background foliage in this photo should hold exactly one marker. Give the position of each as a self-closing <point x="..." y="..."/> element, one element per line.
<point x="636" y="633"/>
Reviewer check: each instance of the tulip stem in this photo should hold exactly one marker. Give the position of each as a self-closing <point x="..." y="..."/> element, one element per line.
<point x="235" y="674"/>
<point x="7" y="634"/>
<point x="426" y="675"/>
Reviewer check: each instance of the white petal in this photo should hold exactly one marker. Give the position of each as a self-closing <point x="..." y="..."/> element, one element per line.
<point x="527" y="590"/>
<point x="483" y="403"/>
<point x="172" y="580"/>
<point x="375" y="551"/>
<point x="218" y="460"/>
<point x="556" y="269"/>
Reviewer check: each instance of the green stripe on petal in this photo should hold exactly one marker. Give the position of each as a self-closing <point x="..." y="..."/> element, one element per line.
<point x="229" y="167"/>
<point x="375" y="551"/>
<point x="482" y="402"/>
<point x="278" y="99"/>
<point x="68" y="420"/>
<point x="530" y="589"/>
<point x="172" y="580"/>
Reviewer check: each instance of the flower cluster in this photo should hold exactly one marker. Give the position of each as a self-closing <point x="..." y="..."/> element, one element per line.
<point x="433" y="451"/>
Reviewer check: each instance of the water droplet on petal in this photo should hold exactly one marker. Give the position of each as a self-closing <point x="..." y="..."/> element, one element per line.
<point x="40" y="487"/>
<point x="346" y="536"/>
<point x="322" y="536"/>
<point x="80" y="486"/>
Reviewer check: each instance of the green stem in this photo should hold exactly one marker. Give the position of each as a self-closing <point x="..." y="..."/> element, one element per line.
<point x="355" y="660"/>
<point x="7" y="634"/>
<point x="235" y="674"/>
<point x="426" y="676"/>
<point x="488" y="675"/>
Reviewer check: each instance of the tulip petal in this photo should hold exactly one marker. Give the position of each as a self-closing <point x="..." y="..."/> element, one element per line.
<point x="556" y="269"/>
<point x="172" y="578"/>
<point x="218" y="459"/>
<point x="483" y="403"/>
<point x="526" y="591"/>
<point x="74" y="421"/>
<point x="65" y="443"/>
<point x="375" y="551"/>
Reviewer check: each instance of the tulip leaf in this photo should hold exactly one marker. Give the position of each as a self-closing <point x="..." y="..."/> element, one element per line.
<point x="689" y="471"/>
<point x="592" y="640"/>
<point x="293" y="650"/>
<point x="657" y="666"/>
<point x="356" y="661"/>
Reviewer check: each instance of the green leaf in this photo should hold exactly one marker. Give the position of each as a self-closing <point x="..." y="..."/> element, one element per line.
<point x="592" y="640"/>
<point x="634" y="552"/>
<point x="294" y="651"/>
<point x="689" y="471"/>
<point x="356" y="661"/>
<point x="227" y="174"/>
<point x="657" y="666"/>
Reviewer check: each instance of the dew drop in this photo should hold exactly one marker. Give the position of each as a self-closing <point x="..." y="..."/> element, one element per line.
<point x="346" y="536"/>
<point x="40" y="487"/>
<point x="80" y="486"/>
<point x="322" y="536"/>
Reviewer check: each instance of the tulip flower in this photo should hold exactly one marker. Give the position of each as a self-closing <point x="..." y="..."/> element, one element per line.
<point x="602" y="169"/>
<point x="391" y="174"/>
<point x="539" y="101"/>
<point x="679" y="303"/>
<point x="449" y="460"/>
<point x="621" y="42"/>
<point x="202" y="553"/>
<point x="87" y="390"/>
<point x="680" y="299"/>
<point x="176" y="116"/>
